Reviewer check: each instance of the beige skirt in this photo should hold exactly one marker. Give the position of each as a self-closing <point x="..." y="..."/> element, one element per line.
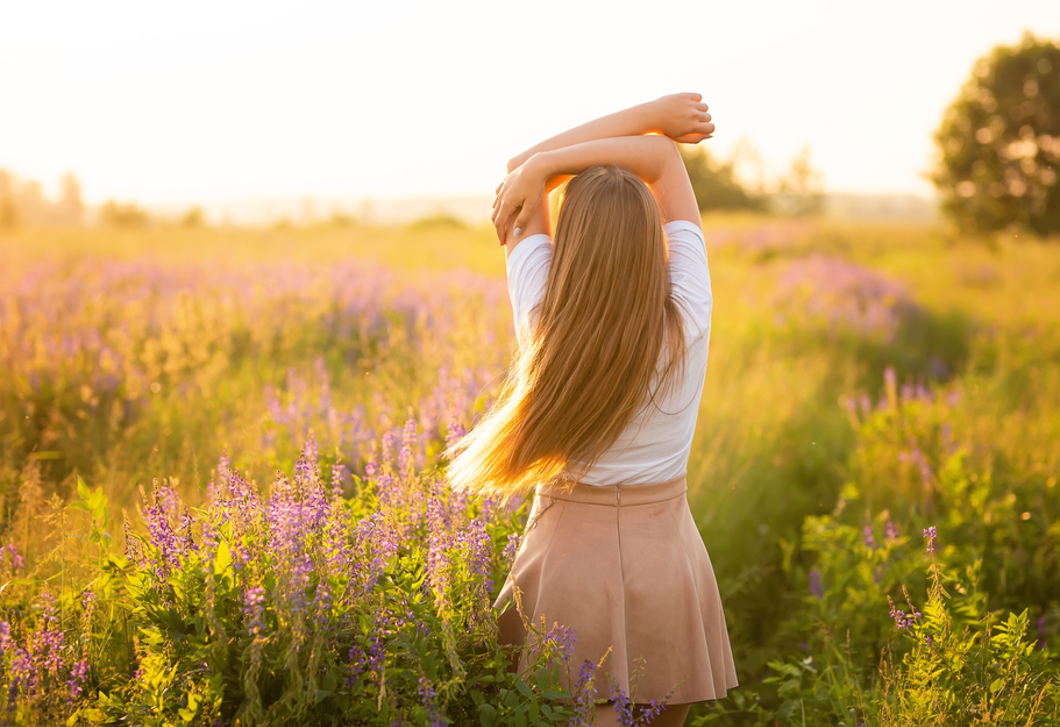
<point x="625" y="567"/>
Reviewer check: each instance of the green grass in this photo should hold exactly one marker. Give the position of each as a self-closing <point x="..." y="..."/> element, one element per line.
<point x="774" y="444"/>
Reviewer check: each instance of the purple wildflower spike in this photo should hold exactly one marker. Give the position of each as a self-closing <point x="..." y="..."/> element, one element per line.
<point x="870" y="541"/>
<point x="815" y="584"/>
<point x="930" y="535"/>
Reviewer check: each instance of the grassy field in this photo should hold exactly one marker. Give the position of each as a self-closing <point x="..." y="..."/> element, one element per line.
<point x="867" y="382"/>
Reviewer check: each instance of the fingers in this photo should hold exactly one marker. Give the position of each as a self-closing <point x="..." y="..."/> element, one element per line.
<point x="502" y="215"/>
<point x="521" y="220"/>
<point x="502" y="218"/>
<point x="694" y="96"/>
<point x="500" y="226"/>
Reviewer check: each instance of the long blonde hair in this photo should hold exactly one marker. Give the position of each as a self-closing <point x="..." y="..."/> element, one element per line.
<point x="590" y="360"/>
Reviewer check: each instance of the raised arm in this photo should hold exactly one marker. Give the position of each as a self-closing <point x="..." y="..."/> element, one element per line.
<point x="682" y="117"/>
<point x="652" y="158"/>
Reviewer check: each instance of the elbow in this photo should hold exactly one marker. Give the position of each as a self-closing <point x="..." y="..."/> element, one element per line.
<point x="668" y="149"/>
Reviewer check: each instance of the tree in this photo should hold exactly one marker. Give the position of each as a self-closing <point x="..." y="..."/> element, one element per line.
<point x="71" y="208"/>
<point x="9" y="216"/>
<point x="800" y="192"/>
<point x="999" y="142"/>
<point x="193" y="218"/>
<point x="117" y="214"/>
<point x="715" y="182"/>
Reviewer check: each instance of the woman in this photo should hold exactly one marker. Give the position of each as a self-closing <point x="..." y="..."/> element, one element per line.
<point x="598" y="413"/>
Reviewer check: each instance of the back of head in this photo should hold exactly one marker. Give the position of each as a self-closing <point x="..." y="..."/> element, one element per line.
<point x="605" y="318"/>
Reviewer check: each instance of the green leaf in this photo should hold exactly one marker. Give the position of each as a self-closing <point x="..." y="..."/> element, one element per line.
<point x="223" y="559"/>
<point x="82" y="489"/>
<point x="524" y="689"/>
<point x="22" y="582"/>
<point x="487" y="715"/>
<point x="542" y="680"/>
<point x="996" y="685"/>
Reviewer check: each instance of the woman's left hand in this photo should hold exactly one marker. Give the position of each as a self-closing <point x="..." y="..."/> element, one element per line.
<point x="681" y="116"/>
<point x="518" y="196"/>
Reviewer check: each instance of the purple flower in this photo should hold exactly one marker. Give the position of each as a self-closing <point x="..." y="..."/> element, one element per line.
<point x="901" y="620"/>
<point x="815" y="584"/>
<point x="870" y="541"/>
<point x="890" y="531"/>
<point x="930" y="534"/>
<point x="322" y="603"/>
<point x="5" y="638"/>
<point x="583" y="693"/>
<point x="340" y="475"/>
<point x="558" y="641"/>
<point x="623" y="707"/>
<point x="477" y="553"/>
<point x="11" y="553"/>
<point x="512" y="547"/>
<point x="835" y="293"/>
<point x="427" y="695"/>
<point x="917" y="457"/>
<point x="253" y="610"/>
<point x="407" y="455"/>
<point x="454" y="433"/>
<point x="622" y="704"/>
<point x="78" y="673"/>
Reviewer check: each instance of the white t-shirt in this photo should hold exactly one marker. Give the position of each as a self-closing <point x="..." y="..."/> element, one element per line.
<point x="655" y="445"/>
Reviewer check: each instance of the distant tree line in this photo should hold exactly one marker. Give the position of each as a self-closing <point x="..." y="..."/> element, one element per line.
<point x="23" y="202"/>
<point x="719" y="185"/>
<point x="123" y="214"/>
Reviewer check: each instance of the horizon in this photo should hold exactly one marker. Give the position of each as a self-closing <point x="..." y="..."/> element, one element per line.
<point x="472" y="210"/>
<point x="201" y="105"/>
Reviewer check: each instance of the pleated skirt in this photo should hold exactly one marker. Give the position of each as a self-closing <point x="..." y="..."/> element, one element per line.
<point x="626" y="569"/>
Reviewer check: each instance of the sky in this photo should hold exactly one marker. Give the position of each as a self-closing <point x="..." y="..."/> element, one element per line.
<point x="195" y="102"/>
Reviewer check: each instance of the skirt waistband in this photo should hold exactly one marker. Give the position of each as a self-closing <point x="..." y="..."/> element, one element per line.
<point x="617" y="495"/>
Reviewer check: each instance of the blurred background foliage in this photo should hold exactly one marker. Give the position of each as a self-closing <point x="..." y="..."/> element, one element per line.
<point x="999" y="143"/>
<point x="738" y="183"/>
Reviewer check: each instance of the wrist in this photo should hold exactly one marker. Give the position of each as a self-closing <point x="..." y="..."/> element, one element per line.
<point x="646" y="118"/>
<point x="542" y="165"/>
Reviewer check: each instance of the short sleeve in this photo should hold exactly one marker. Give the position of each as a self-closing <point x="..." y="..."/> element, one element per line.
<point x="689" y="274"/>
<point x="527" y="275"/>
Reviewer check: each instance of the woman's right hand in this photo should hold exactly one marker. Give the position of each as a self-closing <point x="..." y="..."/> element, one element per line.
<point x="681" y="116"/>
<point x="519" y="194"/>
